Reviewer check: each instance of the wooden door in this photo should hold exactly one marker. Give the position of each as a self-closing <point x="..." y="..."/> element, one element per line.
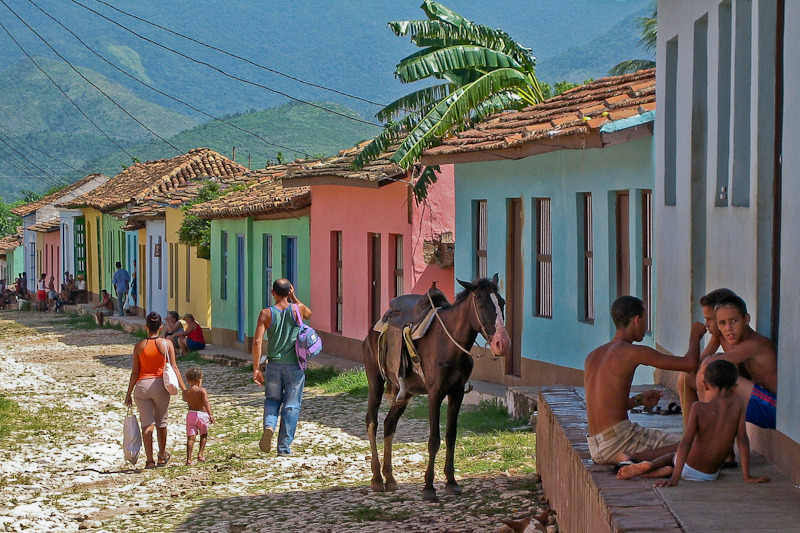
<point x="375" y="278"/>
<point x="623" y="244"/>
<point x="514" y="286"/>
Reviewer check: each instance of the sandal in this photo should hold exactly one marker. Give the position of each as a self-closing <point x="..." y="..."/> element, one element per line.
<point x="150" y="464"/>
<point x="161" y="463"/>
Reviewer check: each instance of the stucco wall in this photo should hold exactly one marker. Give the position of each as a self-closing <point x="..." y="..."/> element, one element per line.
<point x="563" y="340"/>
<point x="359" y="212"/>
<point x="93" y="249"/>
<point x="225" y="311"/>
<point x="194" y="298"/>
<point x="51" y="260"/>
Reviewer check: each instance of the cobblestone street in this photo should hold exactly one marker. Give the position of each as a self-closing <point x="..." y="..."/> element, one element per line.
<point x="65" y="470"/>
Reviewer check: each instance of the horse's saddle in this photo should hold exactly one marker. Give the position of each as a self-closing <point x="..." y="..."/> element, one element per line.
<point x="411" y="309"/>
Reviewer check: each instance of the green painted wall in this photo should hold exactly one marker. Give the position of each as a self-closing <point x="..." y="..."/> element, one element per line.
<point x="224" y="288"/>
<point x="15" y="259"/>
<point x="113" y="250"/>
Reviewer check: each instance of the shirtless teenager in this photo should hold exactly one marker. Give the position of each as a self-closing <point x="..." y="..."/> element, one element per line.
<point x="758" y="356"/>
<point x="713" y="426"/>
<point x="687" y="382"/>
<point x="608" y="376"/>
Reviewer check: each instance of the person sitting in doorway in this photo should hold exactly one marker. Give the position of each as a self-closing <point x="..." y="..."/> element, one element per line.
<point x="80" y="289"/>
<point x="190" y="339"/>
<point x="104" y="308"/>
<point x="174" y="326"/>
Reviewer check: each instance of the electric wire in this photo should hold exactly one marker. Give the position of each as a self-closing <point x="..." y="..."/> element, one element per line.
<point x="16" y="137"/>
<point x="240" y="58"/>
<point x="226" y="74"/>
<point x="28" y="155"/>
<point x="65" y="94"/>
<point x="142" y="82"/>
<point x="87" y="80"/>
<point x="52" y="178"/>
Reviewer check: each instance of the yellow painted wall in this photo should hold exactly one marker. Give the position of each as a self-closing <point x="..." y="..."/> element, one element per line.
<point x="94" y="249"/>
<point x="141" y="270"/>
<point x="189" y="277"/>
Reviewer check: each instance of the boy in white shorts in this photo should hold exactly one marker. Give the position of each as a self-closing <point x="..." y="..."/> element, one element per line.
<point x="711" y="429"/>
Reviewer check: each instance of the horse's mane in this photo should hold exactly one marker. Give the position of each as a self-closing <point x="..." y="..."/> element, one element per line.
<point x="483" y="283"/>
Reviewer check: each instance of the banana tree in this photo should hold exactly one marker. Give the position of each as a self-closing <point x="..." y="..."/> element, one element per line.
<point x="649" y="28"/>
<point x="483" y="71"/>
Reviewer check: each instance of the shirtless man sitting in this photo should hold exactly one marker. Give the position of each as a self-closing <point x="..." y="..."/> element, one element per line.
<point x="608" y="376"/>
<point x="758" y="356"/>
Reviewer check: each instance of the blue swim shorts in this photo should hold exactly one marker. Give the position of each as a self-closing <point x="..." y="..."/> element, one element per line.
<point x="761" y="409"/>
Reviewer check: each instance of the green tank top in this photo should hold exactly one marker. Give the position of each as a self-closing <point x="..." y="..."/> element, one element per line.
<point x="281" y="337"/>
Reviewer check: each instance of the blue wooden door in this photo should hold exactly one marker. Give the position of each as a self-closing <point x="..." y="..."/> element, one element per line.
<point x="240" y="301"/>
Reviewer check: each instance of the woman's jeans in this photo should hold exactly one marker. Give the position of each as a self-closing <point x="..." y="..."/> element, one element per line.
<point x="283" y="394"/>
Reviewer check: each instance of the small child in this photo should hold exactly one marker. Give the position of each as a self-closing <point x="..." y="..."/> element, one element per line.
<point x="709" y="435"/>
<point x="199" y="416"/>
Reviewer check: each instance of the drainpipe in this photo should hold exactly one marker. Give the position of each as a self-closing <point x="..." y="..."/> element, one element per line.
<point x="777" y="174"/>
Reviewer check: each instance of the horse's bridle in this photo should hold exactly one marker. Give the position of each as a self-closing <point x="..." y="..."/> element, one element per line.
<point x="449" y="336"/>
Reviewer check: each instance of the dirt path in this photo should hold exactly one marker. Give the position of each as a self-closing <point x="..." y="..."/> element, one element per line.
<point x="66" y="471"/>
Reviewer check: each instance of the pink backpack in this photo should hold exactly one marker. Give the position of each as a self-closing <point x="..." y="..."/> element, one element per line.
<point x="308" y="343"/>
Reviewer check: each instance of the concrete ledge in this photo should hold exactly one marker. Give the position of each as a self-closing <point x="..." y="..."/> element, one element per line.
<point x="586" y="496"/>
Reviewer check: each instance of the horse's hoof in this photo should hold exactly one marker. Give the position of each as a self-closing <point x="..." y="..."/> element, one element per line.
<point x="377" y="486"/>
<point x="429" y="495"/>
<point x="453" y="490"/>
<point x="392" y="485"/>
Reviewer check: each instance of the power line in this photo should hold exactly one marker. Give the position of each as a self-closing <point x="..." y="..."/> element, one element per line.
<point x="21" y="147"/>
<point x="64" y="93"/>
<point x="231" y="76"/>
<point x="16" y="138"/>
<point x="162" y="92"/>
<point x="65" y="60"/>
<point x="54" y="180"/>
<point x="268" y="69"/>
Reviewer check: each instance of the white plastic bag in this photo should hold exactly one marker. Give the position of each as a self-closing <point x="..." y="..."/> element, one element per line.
<point x="132" y="437"/>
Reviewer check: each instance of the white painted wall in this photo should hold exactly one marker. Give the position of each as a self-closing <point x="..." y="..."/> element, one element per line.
<point x="157" y="268"/>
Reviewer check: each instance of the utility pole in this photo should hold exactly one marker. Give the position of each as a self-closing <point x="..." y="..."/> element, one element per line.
<point x="234" y="154"/>
<point x="249" y="161"/>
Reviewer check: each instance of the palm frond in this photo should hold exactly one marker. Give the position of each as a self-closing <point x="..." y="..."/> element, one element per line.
<point x="495" y="104"/>
<point x="437" y="34"/>
<point x="415" y="101"/>
<point x="630" y="66"/>
<point x="378" y="146"/>
<point x="453" y="113"/>
<point x="531" y="93"/>
<point x="437" y="11"/>
<point x="649" y="29"/>
<point x="438" y="62"/>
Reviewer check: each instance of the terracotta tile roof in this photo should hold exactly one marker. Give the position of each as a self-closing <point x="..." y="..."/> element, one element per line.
<point x="266" y="196"/>
<point x="338" y="166"/>
<point x="27" y="209"/>
<point x="141" y="180"/>
<point x="581" y="111"/>
<point x="155" y="205"/>
<point x="46" y="226"/>
<point x="11" y="241"/>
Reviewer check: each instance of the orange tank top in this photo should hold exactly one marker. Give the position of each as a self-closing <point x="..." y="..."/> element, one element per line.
<point x="151" y="360"/>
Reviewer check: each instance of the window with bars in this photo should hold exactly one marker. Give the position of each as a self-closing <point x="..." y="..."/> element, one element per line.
<point x="647" y="255"/>
<point x="336" y="275"/>
<point x="544" y="259"/>
<point x="266" y="250"/>
<point x="588" y="259"/>
<point x="397" y="262"/>
<point x="223" y="271"/>
<point x="481" y="230"/>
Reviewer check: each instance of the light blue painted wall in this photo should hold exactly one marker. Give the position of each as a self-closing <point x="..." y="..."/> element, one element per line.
<point x="560" y="176"/>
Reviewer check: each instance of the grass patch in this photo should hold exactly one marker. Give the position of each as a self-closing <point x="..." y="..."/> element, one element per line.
<point x="369" y="513"/>
<point x="351" y="382"/>
<point x="485" y="417"/>
<point x="192" y="357"/>
<point x="81" y="321"/>
<point x="500" y="451"/>
<point x="16" y="421"/>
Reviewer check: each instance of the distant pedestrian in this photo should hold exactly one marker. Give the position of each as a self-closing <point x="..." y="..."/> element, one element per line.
<point x="22" y="286"/>
<point x="121" y="281"/>
<point x="104" y="308"/>
<point x="41" y="293"/>
<point x="282" y="377"/>
<point x="199" y="416"/>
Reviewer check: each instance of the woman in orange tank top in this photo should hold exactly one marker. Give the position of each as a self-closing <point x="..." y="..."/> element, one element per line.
<point x="147" y="387"/>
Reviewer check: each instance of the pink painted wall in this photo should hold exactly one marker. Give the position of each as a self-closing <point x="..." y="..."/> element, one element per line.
<point x="358" y="212"/>
<point x="51" y="258"/>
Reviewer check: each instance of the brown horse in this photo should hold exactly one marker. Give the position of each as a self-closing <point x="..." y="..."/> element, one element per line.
<point x="446" y="366"/>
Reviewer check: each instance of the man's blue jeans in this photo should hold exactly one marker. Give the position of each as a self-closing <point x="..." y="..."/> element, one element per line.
<point x="283" y="394"/>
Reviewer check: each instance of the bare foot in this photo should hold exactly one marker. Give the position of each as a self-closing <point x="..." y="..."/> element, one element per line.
<point x="664" y="471"/>
<point x="631" y="471"/>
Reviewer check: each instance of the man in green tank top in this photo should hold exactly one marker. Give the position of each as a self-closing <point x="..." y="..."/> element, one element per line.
<point x="282" y="378"/>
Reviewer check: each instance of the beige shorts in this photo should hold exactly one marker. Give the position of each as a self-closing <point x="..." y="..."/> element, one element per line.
<point x="152" y="400"/>
<point x="627" y="437"/>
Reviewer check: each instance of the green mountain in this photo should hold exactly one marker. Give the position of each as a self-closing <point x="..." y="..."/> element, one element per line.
<point x="295" y="130"/>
